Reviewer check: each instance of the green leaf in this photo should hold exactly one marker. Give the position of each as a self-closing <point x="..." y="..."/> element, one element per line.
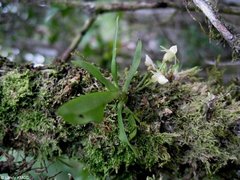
<point x="134" y="66"/>
<point x="86" y="108"/>
<point x="114" y="52"/>
<point x="122" y="134"/>
<point x="93" y="70"/>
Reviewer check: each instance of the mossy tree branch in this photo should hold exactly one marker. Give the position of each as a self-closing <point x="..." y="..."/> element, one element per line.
<point x="185" y="124"/>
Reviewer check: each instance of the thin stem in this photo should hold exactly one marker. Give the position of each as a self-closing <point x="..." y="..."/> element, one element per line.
<point x="142" y="81"/>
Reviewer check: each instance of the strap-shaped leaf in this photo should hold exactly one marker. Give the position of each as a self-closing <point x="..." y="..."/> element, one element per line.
<point x="93" y="70"/>
<point x="114" y="52"/>
<point x="134" y="66"/>
<point x="86" y="108"/>
<point x="122" y="134"/>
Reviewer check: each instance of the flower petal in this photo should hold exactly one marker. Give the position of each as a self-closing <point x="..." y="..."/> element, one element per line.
<point x="170" y="54"/>
<point x="173" y="49"/>
<point x="149" y="63"/>
<point x="159" y="77"/>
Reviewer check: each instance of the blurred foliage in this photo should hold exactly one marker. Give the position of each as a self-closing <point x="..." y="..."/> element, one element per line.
<point x="60" y="168"/>
<point x="37" y="28"/>
<point x="101" y="46"/>
<point x="48" y="29"/>
<point x="198" y="47"/>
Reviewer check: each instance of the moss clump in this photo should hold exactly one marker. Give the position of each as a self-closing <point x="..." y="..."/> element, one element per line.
<point x="106" y="156"/>
<point x="15" y="86"/>
<point x="21" y="121"/>
<point x="203" y="124"/>
<point x="29" y="98"/>
<point x="183" y="132"/>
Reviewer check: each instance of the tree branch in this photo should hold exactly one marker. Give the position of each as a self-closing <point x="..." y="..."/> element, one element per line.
<point x="229" y="63"/>
<point x="133" y="6"/>
<point x="214" y="18"/>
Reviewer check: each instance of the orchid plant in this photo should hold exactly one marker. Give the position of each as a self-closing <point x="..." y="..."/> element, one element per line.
<point x="166" y="70"/>
<point x="159" y="72"/>
<point x="89" y="108"/>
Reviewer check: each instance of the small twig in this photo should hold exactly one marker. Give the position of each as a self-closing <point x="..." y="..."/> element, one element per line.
<point x="54" y="176"/>
<point x="25" y="167"/>
<point x="67" y="53"/>
<point x="215" y="20"/>
<point x="187" y="6"/>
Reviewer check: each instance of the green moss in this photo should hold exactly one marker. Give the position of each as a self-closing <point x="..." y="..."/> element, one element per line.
<point x="153" y="150"/>
<point x="183" y="132"/>
<point x="27" y="111"/>
<point x="35" y="121"/>
<point x="106" y="156"/>
<point x="203" y="124"/>
<point x="20" y="115"/>
<point x="15" y="86"/>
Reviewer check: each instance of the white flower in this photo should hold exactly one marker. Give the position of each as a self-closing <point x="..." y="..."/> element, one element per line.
<point x="170" y="54"/>
<point x="149" y="63"/>
<point x="159" y="77"/>
<point x="38" y="65"/>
